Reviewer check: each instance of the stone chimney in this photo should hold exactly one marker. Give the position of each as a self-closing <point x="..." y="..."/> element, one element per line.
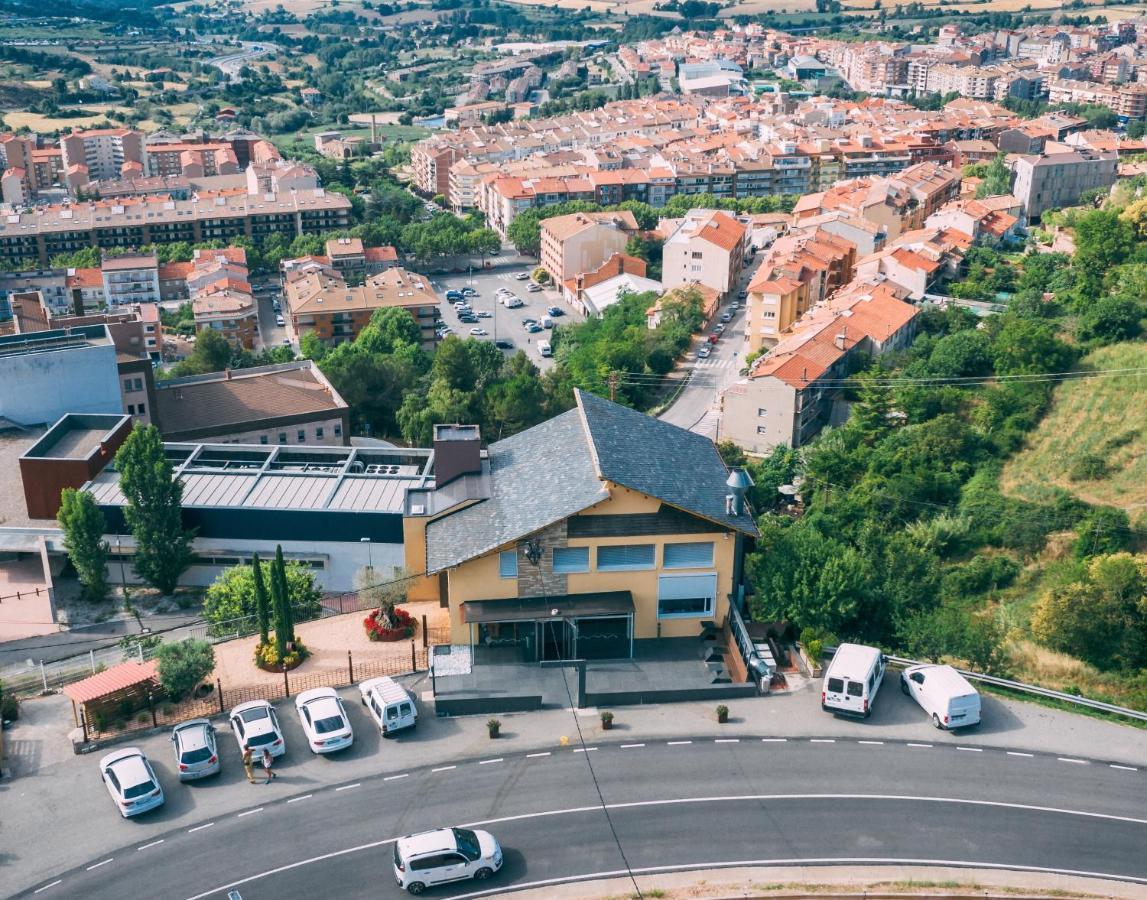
<point x="457" y="452"/>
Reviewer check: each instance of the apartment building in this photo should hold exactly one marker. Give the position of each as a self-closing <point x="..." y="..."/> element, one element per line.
<point x="348" y="258"/>
<point x="707" y="247"/>
<point x="1057" y="177"/>
<point x="130" y="278"/>
<point x="102" y="154"/>
<point x="221" y="298"/>
<point x="580" y="242"/>
<point x="191" y="160"/>
<point x="917" y="260"/>
<point x="574" y="289"/>
<point x="319" y="301"/>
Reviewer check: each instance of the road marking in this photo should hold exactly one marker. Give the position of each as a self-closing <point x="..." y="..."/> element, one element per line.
<point x="536" y="755"/>
<point x="822" y="740"/>
<point x="872" y="743"/>
<point x="249" y="812"/>
<point x="774" y="740"/>
<point x="351" y="787"/>
<point x="971" y="749"/>
<point x="488" y="762"/>
<point x="1017" y="753"/>
<point x="925" y="746"/>
<point x="631" y="746"/>
<point x="152" y="844"/>
<point x="52" y="885"/>
<point x="443" y="768"/>
<point x="584" y="749"/>
<point x="745" y="798"/>
<point x="1068" y="759"/>
<point x="297" y="799"/>
<point x="1124" y="768"/>
<point x="200" y="827"/>
<point x="727" y="741"/>
<point x="102" y="863"/>
<point x="678" y="743"/>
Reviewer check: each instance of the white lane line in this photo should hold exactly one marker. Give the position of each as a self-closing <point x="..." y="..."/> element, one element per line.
<point x="536" y="755"/>
<point x="971" y="749"/>
<point x="631" y="746"/>
<point x="872" y="743"/>
<point x="1017" y="753"/>
<point x="102" y="863"/>
<point x="297" y="799"/>
<point x="392" y="778"/>
<point x="784" y="798"/>
<point x="52" y="885"/>
<point x="489" y="762"/>
<point x="925" y="746"/>
<point x="677" y="743"/>
<point x="822" y="740"/>
<point x="351" y="787"/>
<point x="249" y="812"/>
<point x="774" y="740"/>
<point x="1068" y="759"/>
<point x="152" y="844"/>
<point x="200" y="827"/>
<point x="727" y="741"/>
<point x="1124" y="768"/>
<point x="584" y="749"/>
<point x="443" y="768"/>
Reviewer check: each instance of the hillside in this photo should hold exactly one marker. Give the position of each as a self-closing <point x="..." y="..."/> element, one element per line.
<point x="1093" y="441"/>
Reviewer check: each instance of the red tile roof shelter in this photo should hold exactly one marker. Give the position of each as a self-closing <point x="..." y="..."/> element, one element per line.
<point x="117" y="679"/>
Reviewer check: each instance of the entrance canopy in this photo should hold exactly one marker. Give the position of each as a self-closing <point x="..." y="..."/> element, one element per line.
<point x="559" y="606"/>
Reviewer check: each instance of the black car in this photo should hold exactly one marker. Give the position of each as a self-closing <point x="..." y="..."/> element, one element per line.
<point x="469" y="320"/>
<point x="528" y="321"/>
<point x="503" y="344"/>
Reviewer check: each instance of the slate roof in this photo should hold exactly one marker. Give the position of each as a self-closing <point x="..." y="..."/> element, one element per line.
<point x="558" y="468"/>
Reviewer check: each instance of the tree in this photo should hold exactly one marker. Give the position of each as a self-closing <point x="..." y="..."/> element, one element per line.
<point x="962" y="354"/>
<point x="1112" y="318"/>
<point x="231" y="596"/>
<point x="183" y="665"/>
<point x="153" y="510"/>
<point x="84" y="528"/>
<point x="284" y="618"/>
<point x="1029" y="346"/>
<point x="212" y="353"/>
<point x="1105" y="529"/>
<point x="262" y="603"/>
<point x="997" y="178"/>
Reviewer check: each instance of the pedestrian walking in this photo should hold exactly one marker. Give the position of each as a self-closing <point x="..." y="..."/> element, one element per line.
<point x="267" y="760"/>
<point x="249" y="763"/>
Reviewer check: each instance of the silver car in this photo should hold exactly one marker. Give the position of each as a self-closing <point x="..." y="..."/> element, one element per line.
<point x="196" y="754"/>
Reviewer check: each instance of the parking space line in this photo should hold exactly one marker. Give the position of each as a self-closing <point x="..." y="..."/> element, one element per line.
<point x="396" y="777"/>
<point x="1123" y="768"/>
<point x="52" y="885"/>
<point x="249" y="812"/>
<point x="971" y="749"/>
<point x="200" y="827"/>
<point x="297" y="799"/>
<point x="489" y="762"/>
<point x="1068" y="759"/>
<point x="584" y="749"/>
<point x="822" y="740"/>
<point x="349" y="787"/>
<point x="536" y="755"/>
<point x="102" y="863"/>
<point x="726" y="740"/>
<point x="1017" y="753"/>
<point x="677" y="743"/>
<point x="774" y="740"/>
<point x="443" y="768"/>
<point x="631" y="746"/>
<point x="152" y="844"/>
<point x="872" y="743"/>
<point x="923" y="746"/>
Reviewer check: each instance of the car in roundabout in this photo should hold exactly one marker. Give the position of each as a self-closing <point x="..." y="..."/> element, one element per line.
<point x="255" y="724"/>
<point x="131" y="782"/>
<point x="445" y="855"/>
<point x="324" y="720"/>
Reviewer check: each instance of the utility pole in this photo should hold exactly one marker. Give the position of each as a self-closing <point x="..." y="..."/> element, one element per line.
<point x="613" y="377"/>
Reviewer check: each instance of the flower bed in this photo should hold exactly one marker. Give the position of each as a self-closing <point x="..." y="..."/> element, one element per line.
<point x="400" y="626"/>
<point x="267" y="656"/>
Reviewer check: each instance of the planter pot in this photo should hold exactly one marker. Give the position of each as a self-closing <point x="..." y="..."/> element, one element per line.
<point x="606" y="724"/>
<point x="494" y="733"/>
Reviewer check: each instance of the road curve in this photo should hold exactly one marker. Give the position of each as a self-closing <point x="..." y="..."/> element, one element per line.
<point x="673" y="805"/>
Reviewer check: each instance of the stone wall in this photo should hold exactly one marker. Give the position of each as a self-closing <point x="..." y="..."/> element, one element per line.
<point x="541" y="580"/>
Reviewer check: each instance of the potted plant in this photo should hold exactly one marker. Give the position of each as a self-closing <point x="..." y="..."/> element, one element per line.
<point x="606" y="720"/>
<point x="494" y="727"/>
<point x="722" y="713"/>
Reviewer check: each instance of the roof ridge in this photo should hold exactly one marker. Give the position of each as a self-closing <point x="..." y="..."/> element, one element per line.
<point x="588" y="433"/>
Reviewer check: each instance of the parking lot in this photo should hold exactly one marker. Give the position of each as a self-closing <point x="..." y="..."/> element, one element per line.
<point x="501" y="323"/>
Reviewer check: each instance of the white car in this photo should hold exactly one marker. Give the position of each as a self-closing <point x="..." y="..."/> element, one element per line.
<point x="478" y="332"/>
<point x="256" y="725"/>
<point x="280" y="321"/>
<point x="484" y="314"/>
<point x="324" y="720"/>
<point x="522" y="276"/>
<point x="533" y="287"/>
<point x="390" y="704"/>
<point x="196" y="755"/>
<point x="703" y="352"/>
<point x="445" y="855"/>
<point x="944" y="694"/>
<point x="131" y="781"/>
<point x="513" y="302"/>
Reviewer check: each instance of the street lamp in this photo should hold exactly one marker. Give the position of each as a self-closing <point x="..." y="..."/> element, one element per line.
<point x="369" y="562"/>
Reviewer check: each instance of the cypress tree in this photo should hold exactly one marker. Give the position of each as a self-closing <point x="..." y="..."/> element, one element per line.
<point x="280" y="604"/>
<point x="262" y="610"/>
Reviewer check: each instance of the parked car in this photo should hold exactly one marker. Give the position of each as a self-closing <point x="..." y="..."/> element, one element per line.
<point x="280" y="321"/>
<point x="504" y="292"/>
<point x="546" y="322"/>
<point x="390" y="705"/>
<point x="555" y="311"/>
<point x="445" y="855"/>
<point x="513" y="302"/>
<point x="196" y="754"/>
<point x="453" y="295"/>
<point x="852" y="680"/>
<point x="719" y="328"/>
<point x="255" y="724"/>
<point x="469" y="292"/>
<point x="727" y="316"/>
<point x="944" y="694"/>
<point x="484" y="314"/>
<point x="545" y="348"/>
<point x="522" y="276"/>
<point x="703" y="351"/>
<point x="742" y="294"/>
<point x="478" y="332"/>
<point x="715" y="337"/>
<point x="468" y="319"/>
<point x="325" y="722"/>
<point x="503" y="344"/>
<point x="131" y="781"/>
<point x="533" y="287"/>
<point x="534" y="328"/>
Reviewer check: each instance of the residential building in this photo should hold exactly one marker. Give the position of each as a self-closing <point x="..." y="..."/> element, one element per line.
<point x="707" y="247"/>
<point x="318" y="300"/>
<point x="221" y="298"/>
<point x="292" y="403"/>
<point x="130" y="278"/>
<point x="348" y="257"/>
<point x="379" y="259"/>
<point x="1057" y="177"/>
<point x="581" y="242"/>
<point x="102" y="154"/>
<point x="709" y="299"/>
<point x="917" y="260"/>
<point x="573" y="290"/>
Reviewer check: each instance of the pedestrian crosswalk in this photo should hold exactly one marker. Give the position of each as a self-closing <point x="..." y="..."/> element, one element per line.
<point x="714" y="363"/>
<point x="707" y="425"/>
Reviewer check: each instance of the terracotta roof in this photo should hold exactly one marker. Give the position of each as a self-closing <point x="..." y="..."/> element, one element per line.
<point x="914" y="260"/>
<point x="381" y="254"/>
<point x="565" y="227"/>
<point x="117" y="678"/>
<point x="723" y="230"/>
<point x="85" y="278"/>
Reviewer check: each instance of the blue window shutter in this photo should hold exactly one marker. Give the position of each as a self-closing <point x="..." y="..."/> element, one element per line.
<point x="693" y="555"/>
<point x="508" y="564"/>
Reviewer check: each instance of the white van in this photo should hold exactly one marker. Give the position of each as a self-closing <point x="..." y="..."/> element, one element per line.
<point x="389" y="704"/>
<point x="852" y="680"/>
<point x="944" y="694"/>
<point x="545" y="349"/>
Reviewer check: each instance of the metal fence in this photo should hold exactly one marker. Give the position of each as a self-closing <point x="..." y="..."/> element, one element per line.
<point x="223" y="698"/>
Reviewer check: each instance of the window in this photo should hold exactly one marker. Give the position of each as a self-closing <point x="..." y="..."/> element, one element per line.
<point x="138" y="384"/>
<point x="571" y="559"/>
<point x="127" y="384"/>
<point x="626" y="556"/>
<point x="856" y="689"/>
<point x="836" y="685"/>
<point x="693" y="555"/>
<point x="131" y="409"/>
<point x="142" y="409"/>
<point x="508" y="564"/>
<point x="686" y="595"/>
<point x="762" y="429"/>
<point x="282" y="437"/>
<point x="302" y="436"/>
<point x="318" y="434"/>
<point x="696" y="254"/>
<point x="338" y="430"/>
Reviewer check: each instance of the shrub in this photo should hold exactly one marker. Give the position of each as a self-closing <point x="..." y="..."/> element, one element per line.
<point x="232" y="596"/>
<point x="1089" y="467"/>
<point x="9" y="708"/>
<point x="183" y="664"/>
<point x="1103" y="530"/>
<point x="267" y="656"/>
<point x="397" y="625"/>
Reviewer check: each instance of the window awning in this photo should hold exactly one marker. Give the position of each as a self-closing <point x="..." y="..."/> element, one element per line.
<point x="521" y="609"/>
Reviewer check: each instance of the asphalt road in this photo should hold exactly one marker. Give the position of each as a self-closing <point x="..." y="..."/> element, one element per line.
<point x="673" y="805"/>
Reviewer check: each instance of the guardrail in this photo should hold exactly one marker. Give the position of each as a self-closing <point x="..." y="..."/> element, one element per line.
<point x="1021" y="688"/>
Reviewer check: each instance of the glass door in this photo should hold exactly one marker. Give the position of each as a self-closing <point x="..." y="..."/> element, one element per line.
<point x="555" y="639"/>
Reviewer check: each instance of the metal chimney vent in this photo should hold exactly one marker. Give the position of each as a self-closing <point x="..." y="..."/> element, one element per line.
<point x="738" y="483"/>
